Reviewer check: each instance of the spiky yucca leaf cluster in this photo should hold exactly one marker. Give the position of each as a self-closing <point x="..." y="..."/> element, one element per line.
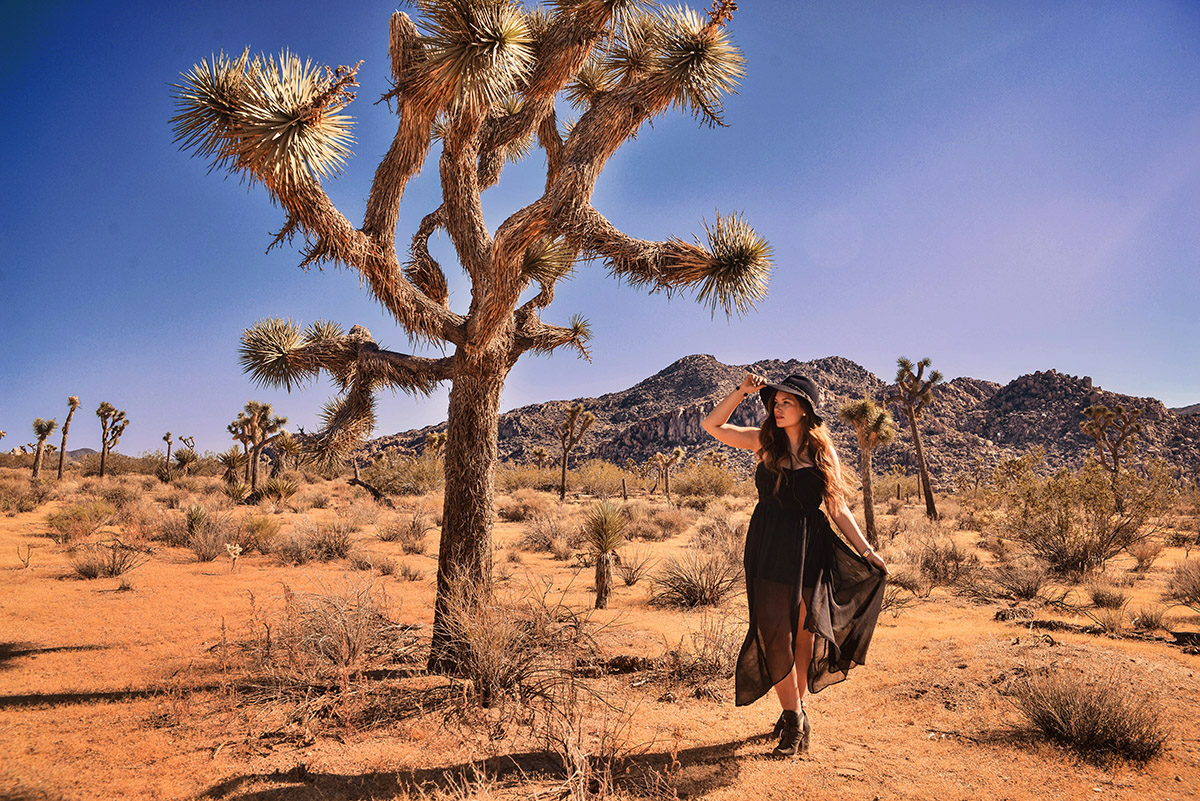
<point x="270" y="119"/>
<point x="874" y="424"/>
<point x="605" y="527"/>
<point x="731" y="273"/>
<point x="696" y="63"/>
<point x="548" y="260"/>
<point x="278" y="353"/>
<point x="477" y="53"/>
<point x="43" y="428"/>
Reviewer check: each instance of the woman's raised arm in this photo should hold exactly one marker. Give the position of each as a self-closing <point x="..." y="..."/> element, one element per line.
<point x="717" y="421"/>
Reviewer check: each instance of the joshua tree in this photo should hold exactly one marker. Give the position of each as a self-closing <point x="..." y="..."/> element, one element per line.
<point x="72" y="404"/>
<point x="1115" y="430"/>
<point x="186" y="458"/>
<point x="540" y="456"/>
<point x="435" y="443"/>
<point x="256" y="427"/>
<point x="662" y="465"/>
<point x="112" y="426"/>
<point x="605" y="530"/>
<point x="914" y="394"/>
<point x="483" y="77"/>
<point x="167" y="439"/>
<point x="289" y="452"/>
<point x="41" y="429"/>
<point x="874" y="426"/>
<point x="570" y="430"/>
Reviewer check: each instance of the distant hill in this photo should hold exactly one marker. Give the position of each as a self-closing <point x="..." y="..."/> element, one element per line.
<point x="1193" y="409"/>
<point x="971" y="422"/>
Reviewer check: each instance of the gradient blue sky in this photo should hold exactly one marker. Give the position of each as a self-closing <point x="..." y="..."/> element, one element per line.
<point x="1004" y="187"/>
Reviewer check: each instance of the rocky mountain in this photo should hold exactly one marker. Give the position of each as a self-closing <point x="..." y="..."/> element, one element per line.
<point x="971" y="422"/>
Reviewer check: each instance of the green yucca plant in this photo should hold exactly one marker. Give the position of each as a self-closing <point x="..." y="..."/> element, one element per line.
<point x="605" y="532"/>
<point x="484" y="78"/>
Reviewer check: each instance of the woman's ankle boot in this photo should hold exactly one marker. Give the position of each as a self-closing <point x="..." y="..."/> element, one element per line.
<point x="795" y="733"/>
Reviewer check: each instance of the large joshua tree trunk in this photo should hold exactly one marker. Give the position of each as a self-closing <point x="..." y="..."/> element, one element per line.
<point x="930" y="509"/>
<point x="472" y="431"/>
<point x="868" y="497"/>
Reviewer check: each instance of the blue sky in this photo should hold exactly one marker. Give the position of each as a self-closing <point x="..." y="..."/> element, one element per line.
<point x="1003" y="187"/>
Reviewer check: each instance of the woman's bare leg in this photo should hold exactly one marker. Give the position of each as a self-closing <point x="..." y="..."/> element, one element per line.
<point x="793" y="686"/>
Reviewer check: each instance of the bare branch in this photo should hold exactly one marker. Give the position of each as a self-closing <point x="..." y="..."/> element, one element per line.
<point x="422" y="269"/>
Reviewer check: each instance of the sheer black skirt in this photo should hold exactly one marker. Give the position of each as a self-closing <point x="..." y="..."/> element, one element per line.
<point x="793" y="558"/>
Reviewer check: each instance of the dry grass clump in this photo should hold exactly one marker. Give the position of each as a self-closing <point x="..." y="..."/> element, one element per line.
<point x="371" y="561"/>
<point x="294" y="547"/>
<point x="511" y="477"/>
<point x="408" y="531"/>
<point x="711" y="657"/>
<point x="703" y="480"/>
<point x="106" y="560"/>
<point x="394" y="473"/>
<point x="19" y="494"/>
<point x="1150" y="618"/>
<point x="258" y="532"/>
<point x="331" y="540"/>
<point x="597" y="477"/>
<point x="721" y="535"/>
<point x="1107" y="597"/>
<point x="942" y="561"/>
<point x="208" y="531"/>
<point x="524" y="504"/>
<point x="633" y="565"/>
<point x="1098" y="717"/>
<point x="659" y="524"/>
<point x="79" y="521"/>
<point x="1183" y="585"/>
<point x="339" y="626"/>
<point x="545" y="534"/>
<point x="695" y="579"/>
<point x="1145" y="553"/>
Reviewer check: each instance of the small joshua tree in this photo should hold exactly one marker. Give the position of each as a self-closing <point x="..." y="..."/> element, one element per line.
<point x="662" y="464"/>
<point x="1115" y="430"/>
<point x="539" y="457"/>
<point x="605" y="530"/>
<point x="233" y="461"/>
<point x="570" y="430"/>
<point x="874" y="426"/>
<point x="256" y="427"/>
<point x="112" y="426"/>
<point x="289" y="453"/>
<point x="41" y="429"/>
<point x="186" y="458"/>
<point x="435" y="443"/>
<point x="72" y="405"/>
<point x="914" y="394"/>
<point x="167" y="439"/>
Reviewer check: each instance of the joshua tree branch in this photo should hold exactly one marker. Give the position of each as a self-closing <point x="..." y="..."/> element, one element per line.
<point x="422" y="269"/>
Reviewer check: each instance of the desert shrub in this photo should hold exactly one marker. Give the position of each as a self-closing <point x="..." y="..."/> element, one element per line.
<point x="279" y="489"/>
<point x="1022" y="582"/>
<point x="633" y="565"/>
<point x="1099" y="717"/>
<point x="703" y="480"/>
<point x="236" y="491"/>
<point x="408" y="532"/>
<point x="338" y="626"/>
<point x="511" y="477"/>
<point x="358" y="514"/>
<point x="1183" y="584"/>
<point x="294" y="547"/>
<point x="172" y="529"/>
<point x="140" y="520"/>
<point x="401" y="474"/>
<point x="695" y="579"/>
<point x="366" y="560"/>
<point x="258" y="532"/>
<point x="662" y="524"/>
<point x="1145" y="553"/>
<point x="542" y="532"/>
<point x="1107" y="597"/>
<point x="106" y="560"/>
<point x="516" y="645"/>
<point x="1110" y="620"/>
<point x="208" y="531"/>
<point x="712" y="654"/>
<point x="1077" y="521"/>
<point x="19" y="494"/>
<point x="524" y="504"/>
<point x="319" y="500"/>
<point x="409" y="572"/>
<point x="331" y="540"/>
<point x="971" y="519"/>
<point x="597" y="477"/>
<point x="941" y="561"/>
<point x="1150" y="618"/>
<point x="119" y="495"/>
<point x="79" y="520"/>
<point x="720" y="535"/>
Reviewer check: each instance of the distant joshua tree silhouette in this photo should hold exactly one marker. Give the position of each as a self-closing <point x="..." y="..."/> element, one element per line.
<point x="539" y="457"/>
<point x="72" y="405"/>
<point x="914" y="395"/>
<point x="41" y="429"/>
<point x="256" y="427"/>
<point x="663" y="463"/>
<point x="112" y="425"/>
<point x="874" y="426"/>
<point x="1115" y="430"/>
<point x="570" y="430"/>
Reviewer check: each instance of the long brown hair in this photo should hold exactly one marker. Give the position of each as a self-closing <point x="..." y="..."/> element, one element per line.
<point x="815" y="442"/>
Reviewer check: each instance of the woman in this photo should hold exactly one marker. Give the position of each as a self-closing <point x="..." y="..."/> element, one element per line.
<point x="813" y="601"/>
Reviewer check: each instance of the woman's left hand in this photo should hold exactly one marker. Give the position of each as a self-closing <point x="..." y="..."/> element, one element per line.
<point x="877" y="561"/>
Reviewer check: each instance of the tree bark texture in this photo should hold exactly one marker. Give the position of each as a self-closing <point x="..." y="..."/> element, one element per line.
<point x="62" y="451"/>
<point x="930" y="509"/>
<point x="472" y="431"/>
<point x="868" y="498"/>
<point x="37" y="457"/>
<point x="604" y="578"/>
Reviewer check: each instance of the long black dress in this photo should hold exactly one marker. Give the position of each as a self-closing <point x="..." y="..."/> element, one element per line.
<point x="793" y="554"/>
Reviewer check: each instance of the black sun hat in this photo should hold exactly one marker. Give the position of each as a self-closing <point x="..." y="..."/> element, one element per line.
<point x="802" y="387"/>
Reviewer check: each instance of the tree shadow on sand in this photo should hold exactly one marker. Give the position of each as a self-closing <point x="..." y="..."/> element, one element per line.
<point x="10" y="651"/>
<point x="692" y="771"/>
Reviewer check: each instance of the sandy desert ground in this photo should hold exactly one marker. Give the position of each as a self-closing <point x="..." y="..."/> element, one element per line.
<point x="145" y="686"/>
